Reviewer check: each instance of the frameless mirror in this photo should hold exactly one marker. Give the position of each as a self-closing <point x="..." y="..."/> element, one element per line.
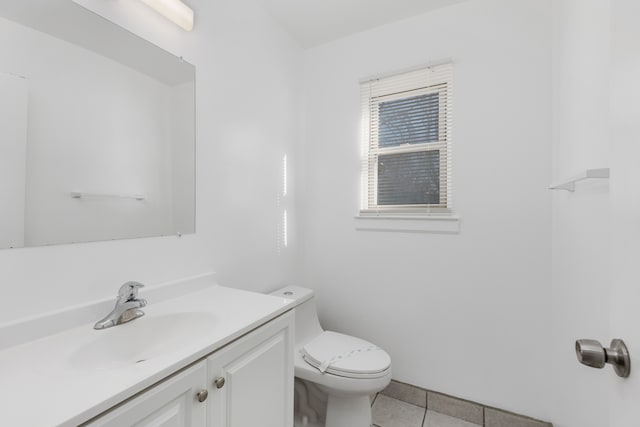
<point x="97" y="130"/>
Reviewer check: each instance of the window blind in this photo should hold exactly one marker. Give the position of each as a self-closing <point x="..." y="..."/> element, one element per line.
<point x="406" y="145"/>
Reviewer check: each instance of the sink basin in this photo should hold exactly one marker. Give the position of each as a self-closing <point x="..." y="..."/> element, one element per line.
<point x="142" y="339"/>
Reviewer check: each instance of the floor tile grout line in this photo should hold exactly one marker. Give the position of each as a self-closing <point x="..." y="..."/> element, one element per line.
<point x="426" y="408"/>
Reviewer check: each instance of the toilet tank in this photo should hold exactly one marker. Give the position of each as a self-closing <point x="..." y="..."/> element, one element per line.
<point x="307" y="325"/>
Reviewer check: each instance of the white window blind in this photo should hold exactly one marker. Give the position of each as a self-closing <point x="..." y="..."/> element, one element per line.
<point x="406" y="147"/>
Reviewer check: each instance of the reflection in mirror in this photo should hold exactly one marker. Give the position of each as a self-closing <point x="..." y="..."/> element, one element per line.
<point x="97" y="130"/>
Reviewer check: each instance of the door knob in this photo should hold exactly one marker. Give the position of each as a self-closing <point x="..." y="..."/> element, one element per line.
<point x="219" y="382"/>
<point x="592" y="353"/>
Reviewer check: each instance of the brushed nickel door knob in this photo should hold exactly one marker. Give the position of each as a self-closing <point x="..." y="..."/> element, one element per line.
<point x="592" y="353"/>
<point x="202" y="395"/>
<point x="219" y="382"/>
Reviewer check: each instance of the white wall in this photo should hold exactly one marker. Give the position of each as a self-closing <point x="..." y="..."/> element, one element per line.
<point x="581" y="230"/>
<point x="13" y="162"/>
<point x="239" y="171"/>
<point x="464" y="314"/>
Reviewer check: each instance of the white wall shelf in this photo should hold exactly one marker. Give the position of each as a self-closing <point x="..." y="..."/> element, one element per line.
<point x="83" y="195"/>
<point x="570" y="183"/>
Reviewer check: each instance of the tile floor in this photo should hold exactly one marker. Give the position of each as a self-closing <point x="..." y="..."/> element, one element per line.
<point x="404" y="405"/>
<point x="391" y="412"/>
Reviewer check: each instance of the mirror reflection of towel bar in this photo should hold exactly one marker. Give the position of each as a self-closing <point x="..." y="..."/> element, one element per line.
<point x="83" y="195"/>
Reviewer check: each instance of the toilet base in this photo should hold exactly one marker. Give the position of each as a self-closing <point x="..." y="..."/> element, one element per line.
<point x="350" y="411"/>
<point x="299" y="422"/>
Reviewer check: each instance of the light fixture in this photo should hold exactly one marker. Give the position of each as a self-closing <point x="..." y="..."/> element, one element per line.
<point x="174" y="10"/>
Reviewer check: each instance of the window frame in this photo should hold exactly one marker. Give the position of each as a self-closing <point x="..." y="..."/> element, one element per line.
<point x="371" y="150"/>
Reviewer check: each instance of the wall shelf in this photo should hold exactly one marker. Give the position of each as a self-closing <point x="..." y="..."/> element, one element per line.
<point x="83" y="195"/>
<point x="570" y="183"/>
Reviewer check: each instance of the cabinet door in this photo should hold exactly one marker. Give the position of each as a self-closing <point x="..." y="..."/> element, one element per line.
<point x="172" y="403"/>
<point x="258" y="379"/>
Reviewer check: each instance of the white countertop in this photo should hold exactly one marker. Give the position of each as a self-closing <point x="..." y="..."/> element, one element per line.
<point x="46" y="383"/>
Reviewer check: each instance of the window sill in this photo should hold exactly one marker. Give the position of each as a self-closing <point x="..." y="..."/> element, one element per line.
<point x="419" y="224"/>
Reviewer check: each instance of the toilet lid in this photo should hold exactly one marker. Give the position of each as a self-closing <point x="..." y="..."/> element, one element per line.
<point x="346" y="356"/>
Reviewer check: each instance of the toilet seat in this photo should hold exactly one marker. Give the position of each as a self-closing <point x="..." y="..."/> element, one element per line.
<point x="346" y="356"/>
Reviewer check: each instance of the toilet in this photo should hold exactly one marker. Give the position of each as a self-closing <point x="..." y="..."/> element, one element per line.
<point x="332" y="369"/>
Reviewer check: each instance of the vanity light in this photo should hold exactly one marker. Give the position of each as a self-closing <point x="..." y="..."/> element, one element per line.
<point x="174" y="10"/>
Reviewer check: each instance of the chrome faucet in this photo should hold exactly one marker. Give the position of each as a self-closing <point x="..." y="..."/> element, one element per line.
<point x="127" y="307"/>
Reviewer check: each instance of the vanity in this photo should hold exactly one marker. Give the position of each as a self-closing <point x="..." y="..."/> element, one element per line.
<point x="202" y="355"/>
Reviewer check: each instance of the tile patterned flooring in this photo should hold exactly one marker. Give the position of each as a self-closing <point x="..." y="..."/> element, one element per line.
<point x="391" y="412"/>
<point x="404" y="405"/>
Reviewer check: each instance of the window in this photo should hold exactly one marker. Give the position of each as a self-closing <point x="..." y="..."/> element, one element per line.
<point x="406" y="152"/>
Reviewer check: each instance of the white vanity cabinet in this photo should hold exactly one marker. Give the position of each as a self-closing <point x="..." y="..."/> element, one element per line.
<point x="252" y="379"/>
<point x="172" y="403"/>
<point x="249" y="382"/>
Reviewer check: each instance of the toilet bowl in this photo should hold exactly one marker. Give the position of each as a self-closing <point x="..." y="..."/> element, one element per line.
<point x="348" y="369"/>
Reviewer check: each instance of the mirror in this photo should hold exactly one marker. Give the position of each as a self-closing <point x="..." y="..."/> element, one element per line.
<point x="97" y="130"/>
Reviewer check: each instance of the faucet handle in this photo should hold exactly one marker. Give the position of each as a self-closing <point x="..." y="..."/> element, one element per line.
<point x="129" y="291"/>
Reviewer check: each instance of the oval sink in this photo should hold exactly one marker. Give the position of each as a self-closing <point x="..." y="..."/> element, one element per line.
<point x="142" y="339"/>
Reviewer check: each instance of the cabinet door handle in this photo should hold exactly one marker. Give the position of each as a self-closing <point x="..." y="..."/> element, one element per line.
<point x="202" y="395"/>
<point x="219" y="382"/>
